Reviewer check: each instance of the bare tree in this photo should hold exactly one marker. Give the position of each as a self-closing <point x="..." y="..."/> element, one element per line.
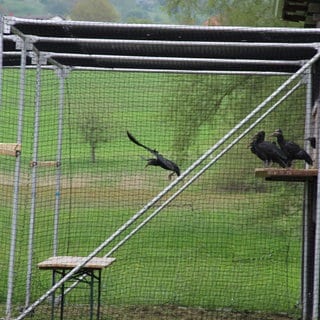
<point x="95" y="129"/>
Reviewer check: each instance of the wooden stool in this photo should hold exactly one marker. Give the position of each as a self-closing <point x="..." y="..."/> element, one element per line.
<point x="93" y="269"/>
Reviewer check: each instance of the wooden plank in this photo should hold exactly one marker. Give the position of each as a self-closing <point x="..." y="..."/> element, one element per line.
<point x="279" y="174"/>
<point x="44" y="164"/>
<point x="69" y="262"/>
<point x="10" y="149"/>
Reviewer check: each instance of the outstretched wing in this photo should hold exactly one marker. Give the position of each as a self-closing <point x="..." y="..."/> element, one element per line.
<point x="134" y="140"/>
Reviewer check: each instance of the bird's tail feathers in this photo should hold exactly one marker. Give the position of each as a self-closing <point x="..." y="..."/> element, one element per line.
<point x="134" y="140"/>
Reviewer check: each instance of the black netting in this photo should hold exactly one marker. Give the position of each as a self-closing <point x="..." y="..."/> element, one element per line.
<point x="228" y="245"/>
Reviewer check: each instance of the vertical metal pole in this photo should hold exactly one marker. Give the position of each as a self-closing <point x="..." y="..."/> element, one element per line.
<point x="316" y="110"/>
<point x="1" y="58"/>
<point x="307" y="272"/>
<point x="33" y="181"/>
<point x="308" y="223"/>
<point x="315" y="311"/>
<point x="16" y="183"/>
<point x="61" y="75"/>
<point x="309" y="101"/>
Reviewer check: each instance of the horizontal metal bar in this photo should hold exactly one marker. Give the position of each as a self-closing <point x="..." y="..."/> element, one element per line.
<point x="11" y="53"/>
<point x="15" y="20"/>
<point x="267" y="73"/>
<point x="151" y="58"/>
<point x="172" y="59"/>
<point x="9" y="37"/>
<point x="31" y="67"/>
<point x="151" y="42"/>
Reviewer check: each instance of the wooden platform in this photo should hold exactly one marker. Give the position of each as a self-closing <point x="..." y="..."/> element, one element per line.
<point x="69" y="262"/>
<point x="279" y="174"/>
<point x="61" y="265"/>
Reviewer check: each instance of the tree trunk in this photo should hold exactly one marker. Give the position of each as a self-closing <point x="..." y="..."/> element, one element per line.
<point x="93" y="153"/>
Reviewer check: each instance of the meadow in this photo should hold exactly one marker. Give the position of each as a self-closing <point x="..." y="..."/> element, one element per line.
<point x="228" y="246"/>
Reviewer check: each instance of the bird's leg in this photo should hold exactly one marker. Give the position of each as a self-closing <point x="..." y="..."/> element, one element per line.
<point x="171" y="175"/>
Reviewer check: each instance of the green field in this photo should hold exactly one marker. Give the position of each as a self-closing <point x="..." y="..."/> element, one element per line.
<point x="229" y="243"/>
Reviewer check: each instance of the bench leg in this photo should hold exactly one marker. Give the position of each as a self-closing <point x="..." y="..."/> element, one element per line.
<point x="93" y="277"/>
<point x="62" y="297"/>
<point x="91" y="294"/>
<point x="53" y="294"/>
<point x="99" y="295"/>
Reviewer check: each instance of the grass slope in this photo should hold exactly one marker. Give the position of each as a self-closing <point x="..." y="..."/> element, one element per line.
<point x="228" y="242"/>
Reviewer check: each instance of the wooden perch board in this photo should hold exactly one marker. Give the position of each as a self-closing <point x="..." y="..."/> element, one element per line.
<point x="278" y="174"/>
<point x="44" y="164"/>
<point x="10" y="149"/>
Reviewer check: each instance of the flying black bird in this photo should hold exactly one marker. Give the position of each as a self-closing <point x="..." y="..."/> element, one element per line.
<point x="160" y="160"/>
<point x="292" y="150"/>
<point x="312" y="141"/>
<point x="267" y="151"/>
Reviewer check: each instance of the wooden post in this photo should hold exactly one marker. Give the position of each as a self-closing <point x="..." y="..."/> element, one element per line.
<point x="310" y="179"/>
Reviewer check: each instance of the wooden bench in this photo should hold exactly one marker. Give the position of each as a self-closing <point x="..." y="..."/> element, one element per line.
<point x="60" y="265"/>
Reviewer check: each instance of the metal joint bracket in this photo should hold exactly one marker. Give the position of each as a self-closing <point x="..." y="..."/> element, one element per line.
<point x="317" y="46"/>
<point x="305" y="77"/>
<point x="63" y="71"/>
<point x="7" y="23"/>
<point x="38" y="58"/>
<point x="28" y="43"/>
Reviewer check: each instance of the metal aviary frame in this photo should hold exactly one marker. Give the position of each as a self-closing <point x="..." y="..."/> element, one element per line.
<point x="30" y="56"/>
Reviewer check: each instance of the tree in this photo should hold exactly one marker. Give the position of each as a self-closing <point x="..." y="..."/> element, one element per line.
<point x="193" y="112"/>
<point x="232" y="12"/>
<point x="252" y="13"/>
<point x="58" y="7"/>
<point x="24" y="8"/>
<point x="185" y="12"/>
<point x="137" y="16"/>
<point x="198" y="107"/>
<point x="94" y="10"/>
<point x="95" y="129"/>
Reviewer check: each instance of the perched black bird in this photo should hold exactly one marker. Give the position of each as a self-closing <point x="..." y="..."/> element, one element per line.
<point x="160" y="160"/>
<point x="267" y="151"/>
<point x="312" y="141"/>
<point x="292" y="150"/>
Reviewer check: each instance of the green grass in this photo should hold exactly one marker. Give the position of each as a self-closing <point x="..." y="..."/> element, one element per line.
<point x="213" y="259"/>
<point x="228" y="242"/>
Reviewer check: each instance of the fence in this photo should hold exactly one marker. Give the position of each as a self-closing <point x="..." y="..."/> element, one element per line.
<point x="216" y="242"/>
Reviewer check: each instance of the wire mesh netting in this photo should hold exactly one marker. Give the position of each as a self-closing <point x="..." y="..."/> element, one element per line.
<point x="228" y="245"/>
